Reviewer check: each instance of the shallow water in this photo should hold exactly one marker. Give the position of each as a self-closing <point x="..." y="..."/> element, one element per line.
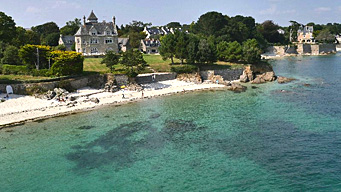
<point x="271" y="138"/>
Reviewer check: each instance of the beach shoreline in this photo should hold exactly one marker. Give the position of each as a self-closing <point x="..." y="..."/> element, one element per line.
<point x="21" y="109"/>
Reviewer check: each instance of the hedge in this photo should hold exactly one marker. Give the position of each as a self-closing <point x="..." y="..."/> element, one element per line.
<point x="184" y="69"/>
<point x="14" y="69"/>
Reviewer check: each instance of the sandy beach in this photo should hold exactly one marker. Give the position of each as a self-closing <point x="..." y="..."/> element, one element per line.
<point x="19" y="108"/>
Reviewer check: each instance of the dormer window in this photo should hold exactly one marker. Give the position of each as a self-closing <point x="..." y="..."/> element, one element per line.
<point x="93" y="33"/>
<point x="108" y="32"/>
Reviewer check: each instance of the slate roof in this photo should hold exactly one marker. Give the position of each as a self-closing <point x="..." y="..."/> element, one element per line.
<point x="152" y="43"/>
<point x="155" y="31"/>
<point x="92" y="16"/>
<point x="306" y="29"/>
<point x="68" y="39"/>
<point x="100" y="28"/>
<point x="123" y="41"/>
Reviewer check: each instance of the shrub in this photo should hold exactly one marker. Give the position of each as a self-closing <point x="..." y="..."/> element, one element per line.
<point x="42" y="72"/>
<point x="14" y="69"/>
<point x="184" y="69"/>
<point x="10" y="56"/>
<point x="66" y="63"/>
<point x="28" y="54"/>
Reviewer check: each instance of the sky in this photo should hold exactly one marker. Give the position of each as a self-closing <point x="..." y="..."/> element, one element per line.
<point x="28" y="13"/>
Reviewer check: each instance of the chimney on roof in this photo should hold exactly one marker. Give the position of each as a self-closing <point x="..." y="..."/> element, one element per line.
<point x="114" y="20"/>
<point x="84" y="20"/>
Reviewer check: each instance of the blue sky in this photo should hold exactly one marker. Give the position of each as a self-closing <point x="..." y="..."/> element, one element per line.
<point x="29" y="13"/>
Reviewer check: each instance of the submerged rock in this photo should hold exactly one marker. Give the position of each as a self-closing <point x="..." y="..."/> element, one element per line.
<point x="282" y="80"/>
<point x="236" y="87"/>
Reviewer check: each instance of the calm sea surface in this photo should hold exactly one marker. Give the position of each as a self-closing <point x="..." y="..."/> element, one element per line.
<point x="271" y="138"/>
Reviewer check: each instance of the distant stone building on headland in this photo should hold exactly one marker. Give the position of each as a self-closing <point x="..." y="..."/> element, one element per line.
<point x="305" y="35"/>
<point x="94" y="38"/>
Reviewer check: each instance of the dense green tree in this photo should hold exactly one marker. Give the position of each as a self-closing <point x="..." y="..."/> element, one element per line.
<point x="3" y="46"/>
<point x="167" y="48"/>
<point x="7" y="28"/>
<point x="192" y="49"/>
<point x="251" y="51"/>
<point x="325" y="36"/>
<point x="294" y="27"/>
<point x="205" y="52"/>
<point x="11" y="56"/>
<point x="71" y="27"/>
<point x="46" y="28"/>
<point x="269" y="30"/>
<point x="135" y="38"/>
<point x="174" y="25"/>
<point x="110" y="59"/>
<point x="32" y="37"/>
<point x="222" y="46"/>
<point x="211" y="23"/>
<point x="133" y="62"/>
<point x="181" y="46"/>
<point x="51" y="39"/>
<point x="234" y="52"/>
<point x="24" y="37"/>
<point x="48" y="32"/>
<point x="133" y="27"/>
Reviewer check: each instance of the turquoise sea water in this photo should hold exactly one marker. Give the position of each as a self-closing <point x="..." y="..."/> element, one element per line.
<point x="270" y="138"/>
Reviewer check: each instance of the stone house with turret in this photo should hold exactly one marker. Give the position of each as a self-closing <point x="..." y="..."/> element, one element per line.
<point x="95" y="38"/>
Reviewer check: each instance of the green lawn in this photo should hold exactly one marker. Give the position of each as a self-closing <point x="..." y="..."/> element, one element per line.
<point x="94" y="65"/>
<point x="155" y="62"/>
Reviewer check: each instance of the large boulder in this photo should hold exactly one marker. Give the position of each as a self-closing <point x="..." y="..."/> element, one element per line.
<point x="269" y="76"/>
<point x="244" y="78"/>
<point x="282" y="80"/>
<point x="191" y="78"/>
<point x="258" y="80"/>
<point x="236" y="87"/>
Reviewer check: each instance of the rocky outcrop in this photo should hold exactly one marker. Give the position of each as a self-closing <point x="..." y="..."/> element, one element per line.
<point x="282" y="80"/>
<point x="259" y="73"/>
<point x="192" y="78"/>
<point x="265" y="77"/>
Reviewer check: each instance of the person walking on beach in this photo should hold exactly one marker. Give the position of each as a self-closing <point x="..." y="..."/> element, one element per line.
<point x="9" y="90"/>
<point x="123" y="94"/>
<point x="142" y="94"/>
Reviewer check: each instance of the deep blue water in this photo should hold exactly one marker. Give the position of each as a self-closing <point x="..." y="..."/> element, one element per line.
<point x="271" y="138"/>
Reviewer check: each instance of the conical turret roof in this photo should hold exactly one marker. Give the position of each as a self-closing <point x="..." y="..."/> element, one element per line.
<point x="92" y="16"/>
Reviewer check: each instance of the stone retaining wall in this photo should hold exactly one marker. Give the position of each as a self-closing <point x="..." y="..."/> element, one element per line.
<point x="144" y="79"/>
<point x="94" y="81"/>
<point x="227" y="74"/>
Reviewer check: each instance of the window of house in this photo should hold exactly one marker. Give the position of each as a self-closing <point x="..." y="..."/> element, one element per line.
<point x="94" y="50"/>
<point x="93" y="41"/>
<point x="108" y="32"/>
<point x="108" y="41"/>
<point x="78" y="41"/>
<point x="84" y="50"/>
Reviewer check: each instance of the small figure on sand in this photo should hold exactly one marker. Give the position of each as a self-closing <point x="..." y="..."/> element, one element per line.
<point x="9" y="90"/>
<point x="142" y="93"/>
<point x="123" y="94"/>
